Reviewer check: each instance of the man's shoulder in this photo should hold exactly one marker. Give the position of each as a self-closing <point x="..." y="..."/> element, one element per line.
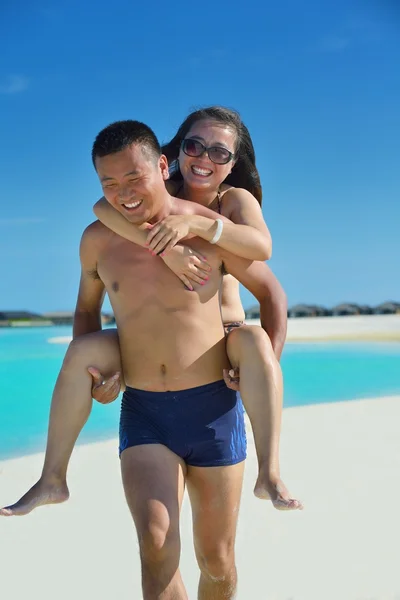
<point x="183" y="207"/>
<point x="95" y="231"/>
<point x="95" y="235"/>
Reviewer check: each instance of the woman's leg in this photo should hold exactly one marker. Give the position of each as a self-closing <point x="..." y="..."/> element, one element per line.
<point x="70" y="408"/>
<point x="261" y="388"/>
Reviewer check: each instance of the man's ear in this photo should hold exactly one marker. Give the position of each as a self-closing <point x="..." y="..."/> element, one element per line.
<point x="163" y="163"/>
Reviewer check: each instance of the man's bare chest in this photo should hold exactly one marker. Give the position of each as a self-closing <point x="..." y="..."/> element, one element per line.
<point x="130" y="270"/>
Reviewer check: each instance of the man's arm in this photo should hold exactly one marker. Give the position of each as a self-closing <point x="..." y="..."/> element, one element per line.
<point x="258" y="278"/>
<point x="87" y="318"/>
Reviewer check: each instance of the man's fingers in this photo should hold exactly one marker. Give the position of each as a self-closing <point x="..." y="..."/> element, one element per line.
<point x="231" y="382"/>
<point x="96" y="376"/>
<point x="109" y="391"/>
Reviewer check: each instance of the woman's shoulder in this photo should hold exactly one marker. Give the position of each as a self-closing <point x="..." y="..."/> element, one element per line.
<point x="233" y="197"/>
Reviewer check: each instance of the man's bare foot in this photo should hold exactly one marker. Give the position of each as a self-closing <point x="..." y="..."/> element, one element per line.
<point x="277" y="492"/>
<point x="40" y="494"/>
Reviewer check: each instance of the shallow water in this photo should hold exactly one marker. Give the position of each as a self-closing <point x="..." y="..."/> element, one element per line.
<point x="313" y="372"/>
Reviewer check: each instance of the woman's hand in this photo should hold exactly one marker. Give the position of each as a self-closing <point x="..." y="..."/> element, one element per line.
<point x="167" y="233"/>
<point x="187" y="264"/>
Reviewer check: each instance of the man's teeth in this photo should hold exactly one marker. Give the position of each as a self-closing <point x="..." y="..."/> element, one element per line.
<point x="133" y="204"/>
<point x="200" y="171"/>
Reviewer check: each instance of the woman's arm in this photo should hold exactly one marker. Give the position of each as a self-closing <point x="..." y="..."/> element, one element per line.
<point x="245" y="212"/>
<point x="187" y="264"/>
<point x="244" y="233"/>
<point x="112" y="219"/>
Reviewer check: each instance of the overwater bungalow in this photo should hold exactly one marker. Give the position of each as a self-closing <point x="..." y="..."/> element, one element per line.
<point x="387" y="308"/>
<point x="347" y="309"/>
<point x="308" y="310"/>
<point x="21" y="318"/>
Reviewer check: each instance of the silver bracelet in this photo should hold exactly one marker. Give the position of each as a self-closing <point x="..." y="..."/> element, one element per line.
<point x="218" y="233"/>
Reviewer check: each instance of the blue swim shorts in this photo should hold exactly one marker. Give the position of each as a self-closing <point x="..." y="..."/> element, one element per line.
<point x="203" y="425"/>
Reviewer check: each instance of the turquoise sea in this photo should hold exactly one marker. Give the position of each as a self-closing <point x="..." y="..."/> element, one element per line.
<point x="313" y="372"/>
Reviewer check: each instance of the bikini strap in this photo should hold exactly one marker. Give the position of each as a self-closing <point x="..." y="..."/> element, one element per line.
<point x="219" y="201"/>
<point x="178" y="191"/>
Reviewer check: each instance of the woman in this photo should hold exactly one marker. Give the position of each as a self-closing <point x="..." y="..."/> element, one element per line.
<point x="215" y="164"/>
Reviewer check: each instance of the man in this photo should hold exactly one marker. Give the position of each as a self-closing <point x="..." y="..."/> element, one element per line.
<point x="180" y="424"/>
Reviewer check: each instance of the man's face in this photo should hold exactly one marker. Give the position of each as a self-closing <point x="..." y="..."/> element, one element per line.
<point x="133" y="182"/>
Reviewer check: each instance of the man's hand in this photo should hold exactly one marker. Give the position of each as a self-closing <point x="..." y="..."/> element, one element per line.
<point x="190" y="266"/>
<point x="167" y="233"/>
<point x="105" y="391"/>
<point x="232" y="378"/>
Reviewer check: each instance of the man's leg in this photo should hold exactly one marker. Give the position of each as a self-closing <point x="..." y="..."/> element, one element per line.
<point x="261" y="389"/>
<point x="215" y="497"/>
<point x="154" y="482"/>
<point x="70" y="408"/>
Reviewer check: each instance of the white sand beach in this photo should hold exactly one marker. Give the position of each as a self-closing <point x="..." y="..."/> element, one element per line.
<point x="356" y="328"/>
<point x="374" y="328"/>
<point x="342" y="460"/>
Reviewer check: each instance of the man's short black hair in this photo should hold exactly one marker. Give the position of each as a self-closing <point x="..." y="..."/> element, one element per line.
<point x="121" y="135"/>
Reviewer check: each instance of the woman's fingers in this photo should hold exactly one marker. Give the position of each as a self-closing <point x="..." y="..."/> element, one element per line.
<point x="186" y="282"/>
<point x="195" y="278"/>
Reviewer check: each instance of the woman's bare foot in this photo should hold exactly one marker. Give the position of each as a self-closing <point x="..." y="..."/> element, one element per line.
<point x="40" y="494"/>
<point x="276" y="491"/>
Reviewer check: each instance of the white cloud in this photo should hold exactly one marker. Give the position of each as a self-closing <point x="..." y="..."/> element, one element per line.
<point x="14" y="85"/>
<point x="22" y="221"/>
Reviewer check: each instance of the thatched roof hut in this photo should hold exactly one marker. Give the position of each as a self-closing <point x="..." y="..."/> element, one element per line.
<point x="60" y="317"/>
<point x="387" y="308"/>
<point x="347" y="309"/>
<point x="253" y="312"/>
<point x="18" y="315"/>
<point x="307" y="310"/>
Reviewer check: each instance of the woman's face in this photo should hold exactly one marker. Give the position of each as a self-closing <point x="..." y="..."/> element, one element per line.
<point x="201" y="173"/>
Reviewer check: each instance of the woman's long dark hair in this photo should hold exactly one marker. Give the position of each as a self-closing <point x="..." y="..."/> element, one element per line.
<point x="244" y="173"/>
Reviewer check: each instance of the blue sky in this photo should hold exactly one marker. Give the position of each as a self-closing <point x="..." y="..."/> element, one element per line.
<point x="318" y="85"/>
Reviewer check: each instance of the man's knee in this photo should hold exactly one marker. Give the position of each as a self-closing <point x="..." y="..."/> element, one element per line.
<point x="217" y="563"/>
<point x="158" y="544"/>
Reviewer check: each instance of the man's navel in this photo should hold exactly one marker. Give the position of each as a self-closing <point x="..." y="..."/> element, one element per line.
<point x="163" y="370"/>
<point x="115" y="286"/>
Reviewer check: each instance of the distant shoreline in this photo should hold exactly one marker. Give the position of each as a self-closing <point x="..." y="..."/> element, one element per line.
<point x="360" y="328"/>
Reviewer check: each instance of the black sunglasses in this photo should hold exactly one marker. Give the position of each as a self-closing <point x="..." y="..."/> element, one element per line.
<point x="217" y="154"/>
